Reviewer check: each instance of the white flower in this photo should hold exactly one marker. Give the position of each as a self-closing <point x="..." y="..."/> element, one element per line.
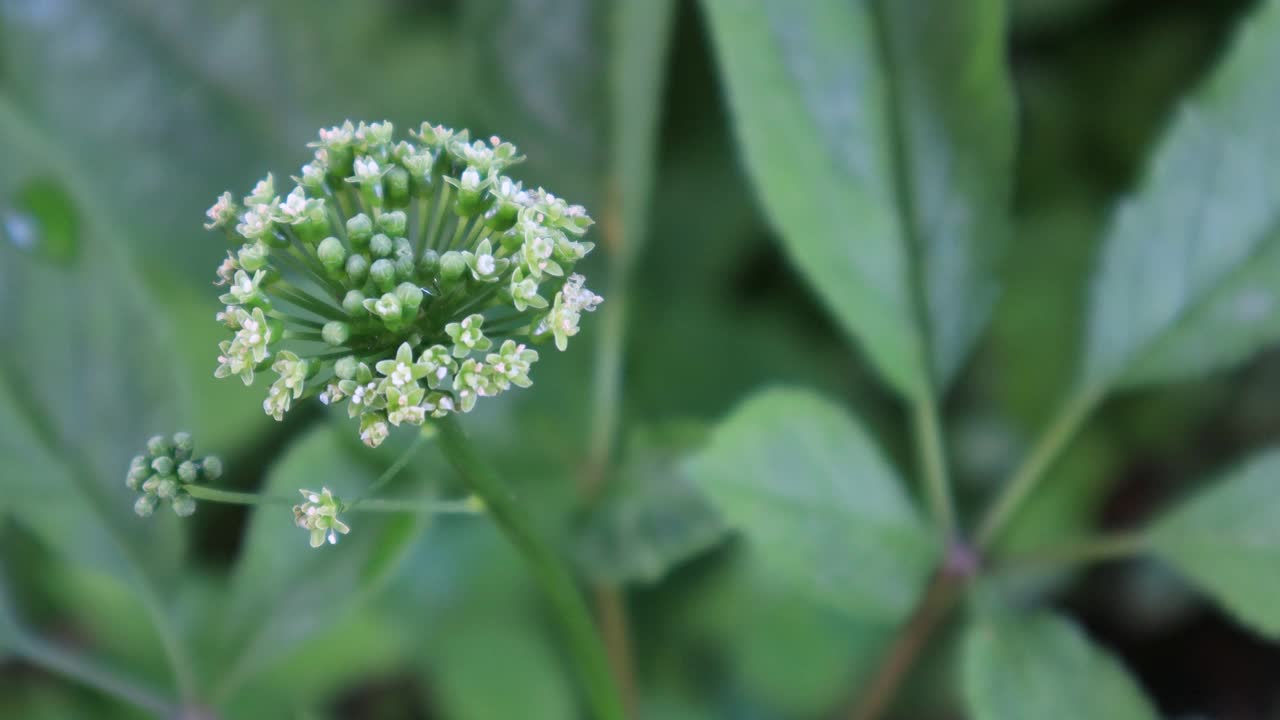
<point x="222" y="212"/>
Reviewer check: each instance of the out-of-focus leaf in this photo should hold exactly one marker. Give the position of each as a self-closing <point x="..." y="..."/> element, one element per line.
<point x="282" y="589"/>
<point x="653" y="518"/>
<point x="537" y="61"/>
<point x="1187" y="274"/>
<point x="818" y="505"/>
<point x="1044" y="667"/>
<point x="879" y="132"/>
<point x="497" y="668"/>
<point x="1227" y="541"/>
<point x="86" y="377"/>
<point x="639" y="35"/>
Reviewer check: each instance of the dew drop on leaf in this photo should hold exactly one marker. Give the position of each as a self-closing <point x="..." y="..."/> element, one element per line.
<point x="41" y="219"/>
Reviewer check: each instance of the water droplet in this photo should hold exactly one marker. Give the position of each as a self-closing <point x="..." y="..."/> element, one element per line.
<point x="41" y="219"/>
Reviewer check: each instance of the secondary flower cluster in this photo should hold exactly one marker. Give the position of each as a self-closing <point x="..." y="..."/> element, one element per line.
<point x="319" y="514"/>
<point x="164" y="472"/>
<point x="407" y="278"/>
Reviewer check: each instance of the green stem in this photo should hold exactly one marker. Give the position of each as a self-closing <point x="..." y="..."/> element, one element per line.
<point x="202" y="492"/>
<point x="928" y="432"/>
<point x="1024" y="480"/>
<point x="559" y="585"/>
<point x="394" y="469"/>
<point x="1098" y="548"/>
<point x="467" y="506"/>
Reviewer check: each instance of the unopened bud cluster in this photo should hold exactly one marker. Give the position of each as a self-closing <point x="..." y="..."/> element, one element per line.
<point x="407" y="278"/>
<point x="163" y="472"/>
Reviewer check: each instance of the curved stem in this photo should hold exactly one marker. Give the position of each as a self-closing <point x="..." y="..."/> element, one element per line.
<point x="1046" y="450"/>
<point x="928" y="433"/>
<point x="466" y="506"/>
<point x="556" y="581"/>
<point x="1098" y="548"/>
<point x="394" y="469"/>
<point x="231" y="497"/>
<point x="933" y="608"/>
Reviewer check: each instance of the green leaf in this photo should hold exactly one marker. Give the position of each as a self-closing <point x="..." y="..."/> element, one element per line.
<point x="878" y="133"/>
<point x="1227" y="540"/>
<point x="1044" y="667"/>
<point x="87" y="379"/>
<point x="1186" y="280"/>
<point x="653" y="518"/>
<point x="495" y="668"/>
<point x="818" y="505"/>
<point x="282" y="589"/>
<point x="640" y="34"/>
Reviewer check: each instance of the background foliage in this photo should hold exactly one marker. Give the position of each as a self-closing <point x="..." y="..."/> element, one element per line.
<point x="838" y="219"/>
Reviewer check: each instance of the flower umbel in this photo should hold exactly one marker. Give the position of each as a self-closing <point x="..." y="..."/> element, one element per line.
<point x="164" y="471"/>
<point x="415" y="258"/>
<point x="319" y="514"/>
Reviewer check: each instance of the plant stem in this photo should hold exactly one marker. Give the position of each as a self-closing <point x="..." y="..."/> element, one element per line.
<point x="556" y="581"/>
<point x="1024" y="480"/>
<point x="1098" y="548"/>
<point x="202" y="492"/>
<point x="394" y="469"/>
<point x="933" y="607"/>
<point x="466" y="506"/>
<point x="928" y="433"/>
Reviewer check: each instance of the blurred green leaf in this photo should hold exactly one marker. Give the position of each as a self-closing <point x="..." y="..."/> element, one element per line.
<point x="1186" y="277"/>
<point x="499" y="667"/>
<point x="653" y="518"/>
<point x="639" y="37"/>
<point x="818" y="505"/>
<point x="1042" y="666"/>
<point x="87" y="379"/>
<point x="1227" y="540"/>
<point x="879" y="133"/>
<point x="282" y="589"/>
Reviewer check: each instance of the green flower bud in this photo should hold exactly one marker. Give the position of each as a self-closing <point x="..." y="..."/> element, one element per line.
<point x="404" y="267"/>
<point x="380" y="246"/>
<point x="336" y="332"/>
<point x="357" y="268"/>
<point x="403" y="248"/>
<point x="167" y="487"/>
<point x="359" y="230"/>
<point x="159" y="445"/>
<point x="410" y="297"/>
<point x="393" y="223"/>
<point x="353" y="304"/>
<point x="146" y="505"/>
<point x="395" y="187"/>
<point x="211" y="467"/>
<point x="345" y="367"/>
<point x="452" y="266"/>
<point x="136" y="477"/>
<point x="188" y="472"/>
<point x="429" y="263"/>
<point x="332" y="255"/>
<point x="163" y="465"/>
<point x="151" y="484"/>
<point x="388" y="308"/>
<point x="183" y="505"/>
<point x="383" y="273"/>
<point x="182" y="446"/>
<point x="253" y="257"/>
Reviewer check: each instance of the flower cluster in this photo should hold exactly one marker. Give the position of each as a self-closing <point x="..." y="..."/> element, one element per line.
<point x="408" y="278"/>
<point x="319" y="515"/>
<point x="164" y="472"/>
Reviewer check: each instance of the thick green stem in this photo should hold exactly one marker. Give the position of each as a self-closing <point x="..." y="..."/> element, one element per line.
<point x="1046" y="450"/>
<point x="556" y="581"/>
